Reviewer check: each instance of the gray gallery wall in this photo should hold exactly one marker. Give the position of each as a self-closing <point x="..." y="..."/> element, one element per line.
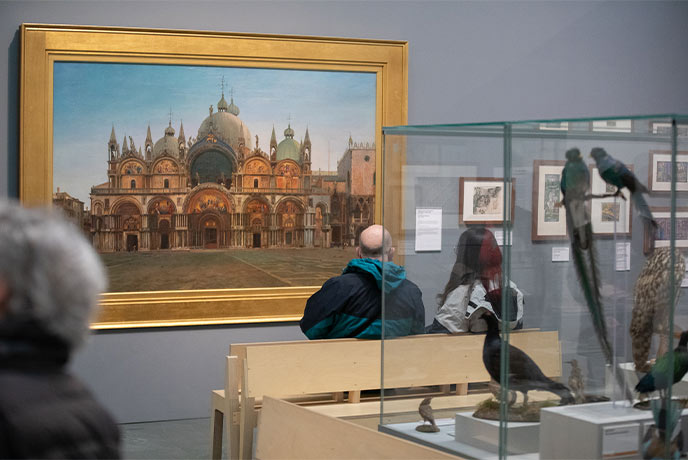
<point x="468" y="61"/>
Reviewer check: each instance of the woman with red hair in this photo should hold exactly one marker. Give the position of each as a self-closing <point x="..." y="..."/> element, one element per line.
<point x="475" y="287"/>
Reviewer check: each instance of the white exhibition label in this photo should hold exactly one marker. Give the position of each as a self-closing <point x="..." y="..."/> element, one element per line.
<point x="499" y="236"/>
<point x="623" y="256"/>
<point x="620" y="440"/>
<point x="428" y="229"/>
<point x="560" y="254"/>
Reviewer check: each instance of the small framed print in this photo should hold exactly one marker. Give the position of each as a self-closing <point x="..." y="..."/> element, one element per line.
<point x="481" y="200"/>
<point x="662" y="236"/>
<point x="659" y="179"/>
<point x="549" y="219"/>
<point x="609" y="215"/>
<point x="612" y="126"/>
<point x="664" y="128"/>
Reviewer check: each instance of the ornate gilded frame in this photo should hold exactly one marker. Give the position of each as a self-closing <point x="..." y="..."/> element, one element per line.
<point x="42" y="45"/>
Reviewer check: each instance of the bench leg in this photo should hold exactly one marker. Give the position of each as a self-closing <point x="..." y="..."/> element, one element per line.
<point x="462" y="389"/>
<point x="216" y="425"/>
<point x="355" y="396"/>
<point x="445" y="389"/>
<point x="338" y="396"/>
<point x="232" y="380"/>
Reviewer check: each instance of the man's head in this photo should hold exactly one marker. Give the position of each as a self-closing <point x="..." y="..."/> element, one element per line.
<point x="375" y="242"/>
<point x="49" y="274"/>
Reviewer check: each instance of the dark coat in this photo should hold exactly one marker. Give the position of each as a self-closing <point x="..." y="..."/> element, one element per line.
<point x="350" y="305"/>
<point x="45" y="412"/>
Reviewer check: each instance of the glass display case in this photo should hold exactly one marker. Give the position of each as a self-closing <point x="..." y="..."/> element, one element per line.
<point x="550" y="258"/>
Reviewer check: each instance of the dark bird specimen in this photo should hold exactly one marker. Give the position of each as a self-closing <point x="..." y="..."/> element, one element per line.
<point x="524" y="374"/>
<point x="425" y="411"/>
<point x="661" y="373"/>
<point x="617" y="174"/>
<point x="652" y="299"/>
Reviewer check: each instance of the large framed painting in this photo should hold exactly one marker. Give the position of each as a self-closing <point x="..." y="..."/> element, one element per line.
<point x="549" y="218"/>
<point x="482" y="201"/>
<point x="222" y="177"/>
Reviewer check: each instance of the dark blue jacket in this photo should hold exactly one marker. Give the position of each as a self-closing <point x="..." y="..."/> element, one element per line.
<point x="350" y="305"/>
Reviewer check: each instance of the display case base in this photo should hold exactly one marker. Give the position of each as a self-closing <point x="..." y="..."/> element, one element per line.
<point x="522" y="438"/>
<point x="445" y="440"/>
<point x="601" y="430"/>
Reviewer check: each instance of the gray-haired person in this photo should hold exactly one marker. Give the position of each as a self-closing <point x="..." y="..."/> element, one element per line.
<point x="50" y="279"/>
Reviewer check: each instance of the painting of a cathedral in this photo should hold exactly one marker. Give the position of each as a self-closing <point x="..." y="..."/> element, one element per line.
<point x="220" y="189"/>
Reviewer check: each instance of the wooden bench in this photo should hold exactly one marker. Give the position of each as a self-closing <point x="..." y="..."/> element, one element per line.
<point x="302" y="369"/>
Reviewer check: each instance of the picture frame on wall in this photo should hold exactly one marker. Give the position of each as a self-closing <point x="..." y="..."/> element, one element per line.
<point x="482" y="200"/>
<point x="609" y="215"/>
<point x="659" y="171"/>
<point x="56" y="62"/>
<point x="549" y="219"/>
<point x="662" y="237"/>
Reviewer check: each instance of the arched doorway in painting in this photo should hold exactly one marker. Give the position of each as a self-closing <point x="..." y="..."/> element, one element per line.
<point x="290" y="214"/>
<point x="257" y="211"/>
<point x="289" y="232"/>
<point x="128" y="222"/>
<point x="210" y="232"/>
<point x="164" y="229"/>
<point x="256" y="226"/>
<point x="132" y="242"/>
<point x="209" y="212"/>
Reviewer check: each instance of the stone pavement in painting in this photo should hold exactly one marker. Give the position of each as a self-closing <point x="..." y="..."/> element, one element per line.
<point x="220" y="269"/>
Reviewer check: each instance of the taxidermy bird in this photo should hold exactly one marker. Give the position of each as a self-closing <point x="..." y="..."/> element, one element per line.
<point x="617" y="174"/>
<point x="651" y="302"/>
<point x="661" y="373"/>
<point x="576" y="383"/>
<point x="653" y="444"/>
<point x="425" y="411"/>
<point x="524" y="374"/>
<point x="575" y="187"/>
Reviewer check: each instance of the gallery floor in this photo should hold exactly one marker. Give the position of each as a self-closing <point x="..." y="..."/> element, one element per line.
<point x="173" y="439"/>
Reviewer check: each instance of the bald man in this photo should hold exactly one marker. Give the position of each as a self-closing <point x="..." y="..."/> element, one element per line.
<point x="350" y="305"/>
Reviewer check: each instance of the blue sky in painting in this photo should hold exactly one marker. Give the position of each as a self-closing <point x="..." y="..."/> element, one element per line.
<point x="89" y="98"/>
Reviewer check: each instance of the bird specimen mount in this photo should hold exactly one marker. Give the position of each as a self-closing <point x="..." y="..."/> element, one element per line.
<point x="524" y="374"/>
<point x="575" y="188"/>
<point x="426" y="413"/>
<point x="651" y="304"/>
<point x="620" y="176"/>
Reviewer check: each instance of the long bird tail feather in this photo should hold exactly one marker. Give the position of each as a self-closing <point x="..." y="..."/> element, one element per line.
<point x="588" y="276"/>
<point x="643" y="208"/>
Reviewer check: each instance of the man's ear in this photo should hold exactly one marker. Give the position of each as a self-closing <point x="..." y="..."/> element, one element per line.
<point x="392" y="250"/>
<point x="358" y="252"/>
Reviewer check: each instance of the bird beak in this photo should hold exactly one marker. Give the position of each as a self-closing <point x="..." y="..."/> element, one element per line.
<point x="677" y="334"/>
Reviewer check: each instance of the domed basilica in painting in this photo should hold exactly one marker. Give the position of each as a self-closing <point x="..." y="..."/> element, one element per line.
<point x="216" y="190"/>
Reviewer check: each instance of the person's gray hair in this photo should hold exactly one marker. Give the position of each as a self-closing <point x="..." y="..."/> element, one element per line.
<point x="53" y="274"/>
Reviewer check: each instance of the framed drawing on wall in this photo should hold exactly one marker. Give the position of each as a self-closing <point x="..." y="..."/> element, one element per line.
<point x="481" y="200"/>
<point x="662" y="236"/>
<point x="659" y="179"/>
<point x="549" y="219"/>
<point x="206" y="154"/>
<point x="609" y="215"/>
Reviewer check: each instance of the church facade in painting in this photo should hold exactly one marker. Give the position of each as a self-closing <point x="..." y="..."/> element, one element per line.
<point x="219" y="189"/>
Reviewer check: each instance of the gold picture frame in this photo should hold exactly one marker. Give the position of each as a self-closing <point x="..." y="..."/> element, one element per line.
<point x="42" y="45"/>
